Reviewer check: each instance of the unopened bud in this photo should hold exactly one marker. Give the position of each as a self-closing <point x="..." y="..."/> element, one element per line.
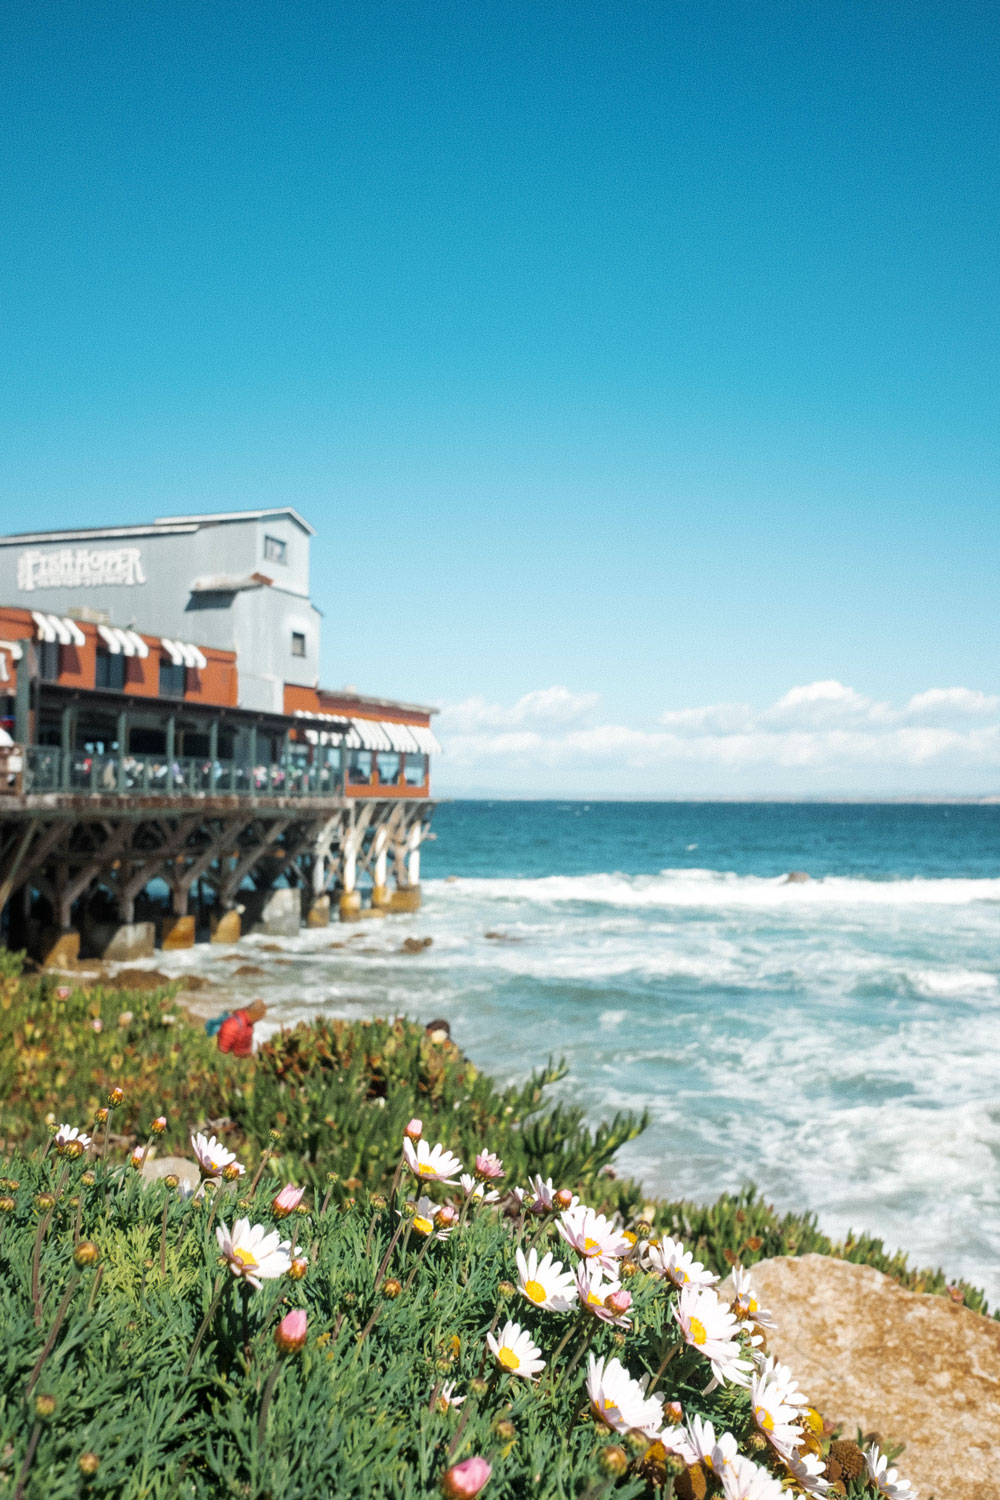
<point x="378" y="1203"/>
<point x="88" y="1463"/>
<point x="233" y="1172"/>
<point x="629" y="1268"/>
<point x="637" y="1441"/>
<point x="172" y="1180"/>
<point x="446" y="1216"/>
<point x="477" y="1386"/>
<point x="465" y="1480"/>
<point x="45" y="1201"/>
<point x="614" y="1460"/>
<point x="159" y="1125"/>
<point x="6" y="1204"/>
<point x="563" y="1199"/>
<point x="504" y="1429"/>
<point x="85" y="1253"/>
<point x="116" y="1096"/>
<point x="72" y="1149"/>
<point x="409" y="1209"/>
<point x="507" y="1290"/>
<point x="101" y="1116"/>
<point x="88" y="1178"/>
<point x="391" y="1288"/>
<point x="290" y="1334"/>
<point x="44" y="1406"/>
<point x="618" y="1302"/>
<point x="298" y="1268"/>
<point x="414" y="1130"/>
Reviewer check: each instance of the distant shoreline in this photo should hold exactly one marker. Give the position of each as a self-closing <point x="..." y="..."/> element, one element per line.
<point x="991" y="799"/>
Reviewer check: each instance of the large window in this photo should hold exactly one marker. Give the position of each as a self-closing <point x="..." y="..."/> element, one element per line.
<point x="110" y="671"/>
<point x="298" y="643"/>
<point x="173" y="678"/>
<point x="275" y="550"/>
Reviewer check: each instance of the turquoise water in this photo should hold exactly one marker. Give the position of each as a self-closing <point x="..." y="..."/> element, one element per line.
<point x="836" y="1041"/>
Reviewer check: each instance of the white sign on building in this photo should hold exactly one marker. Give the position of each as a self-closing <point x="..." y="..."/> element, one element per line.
<point x="80" y="567"/>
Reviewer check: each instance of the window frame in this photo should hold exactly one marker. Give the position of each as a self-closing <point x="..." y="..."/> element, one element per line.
<point x="297" y="637"/>
<point x="275" y="550"/>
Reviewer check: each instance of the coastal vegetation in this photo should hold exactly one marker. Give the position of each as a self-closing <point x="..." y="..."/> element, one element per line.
<point x="396" y="1279"/>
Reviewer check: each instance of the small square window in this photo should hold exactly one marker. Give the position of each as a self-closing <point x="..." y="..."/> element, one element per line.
<point x="173" y="678"/>
<point x="275" y="550"/>
<point x="110" y="671"/>
<point x="298" y="643"/>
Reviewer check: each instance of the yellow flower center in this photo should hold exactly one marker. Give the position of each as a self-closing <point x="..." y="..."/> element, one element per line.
<point x="535" y="1292"/>
<point x="508" y="1358"/>
<point x="591" y="1247"/>
<point x="764" y="1418"/>
<point x="697" y="1330"/>
<point x="422" y="1225"/>
<point x="753" y="1304"/>
<point x="424" y="1169"/>
<point x="593" y="1300"/>
<point x="244" y="1257"/>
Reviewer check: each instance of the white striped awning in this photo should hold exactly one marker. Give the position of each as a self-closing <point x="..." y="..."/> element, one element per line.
<point x="426" y="741"/>
<point x="122" y="642"/>
<point x="59" y="628"/>
<point x="12" y="648"/>
<point x="182" y="654"/>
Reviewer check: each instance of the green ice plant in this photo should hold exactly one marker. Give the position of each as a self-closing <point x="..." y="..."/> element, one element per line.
<point x="461" y="1333"/>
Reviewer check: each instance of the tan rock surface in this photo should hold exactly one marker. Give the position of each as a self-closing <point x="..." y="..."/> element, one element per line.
<point x="913" y="1367"/>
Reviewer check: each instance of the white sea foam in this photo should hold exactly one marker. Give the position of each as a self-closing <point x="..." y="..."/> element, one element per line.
<point x="714" y="888"/>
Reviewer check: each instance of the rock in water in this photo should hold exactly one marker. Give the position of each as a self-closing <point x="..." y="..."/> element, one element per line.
<point x="796" y="877"/>
<point x="913" y="1367"/>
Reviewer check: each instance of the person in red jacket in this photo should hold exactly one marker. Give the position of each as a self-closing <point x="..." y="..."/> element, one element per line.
<point x="235" y="1035"/>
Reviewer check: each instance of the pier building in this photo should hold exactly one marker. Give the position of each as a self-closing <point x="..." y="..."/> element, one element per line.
<point x="170" y="763"/>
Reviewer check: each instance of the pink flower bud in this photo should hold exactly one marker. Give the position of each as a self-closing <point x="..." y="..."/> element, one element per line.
<point x="63" y="992"/>
<point x="159" y="1125"/>
<point x="446" y="1216"/>
<point x="488" y="1166"/>
<point x="464" y="1480"/>
<point x="563" y="1199"/>
<point x="674" y="1410"/>
<point x="414" y="1130"/>
<point x="287" y="1201"/>
<point x="97" y="1024"/>
<point x="618" y="1302"/>
<point x="290" y="1334"/>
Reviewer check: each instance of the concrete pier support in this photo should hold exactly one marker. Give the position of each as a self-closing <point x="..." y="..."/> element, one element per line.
<point x="380" y="846"/>
<point x="404" y="899"/>
<point x="178" y="932"/>
<point x="350" y="906"/>
<point x="59" y="948"/>
<point x="318" y="912"/>
<point x="227" y="927"/>
<point x="127" y="942"/>
<point x="280" y="913"/>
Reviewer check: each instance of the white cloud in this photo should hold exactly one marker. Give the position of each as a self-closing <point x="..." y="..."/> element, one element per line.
<point x="817" y="734"/>
<point x="543" y="708"/>
<point x="951" y="702"/>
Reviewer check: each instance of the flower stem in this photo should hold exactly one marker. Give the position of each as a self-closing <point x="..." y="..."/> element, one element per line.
<point x="265" y="1157"/>
<point x="388" y="1254"/>
<point x="265" y="1400"/>
<point x="32" y="1445"/>
<point x="163" y="1237"/>
<point x="36" y="1258"/>
<point x="417" y="1263"/>
<point x="53" y="1333"/>
<point x="584" y="1346"/>
<point x="204" y="1327"/>
<point x="663" y="1365"/>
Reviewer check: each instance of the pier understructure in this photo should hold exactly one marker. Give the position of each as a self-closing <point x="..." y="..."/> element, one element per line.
<point x="77" y="868"/>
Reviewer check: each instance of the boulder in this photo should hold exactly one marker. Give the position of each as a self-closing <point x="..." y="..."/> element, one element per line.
<point x="796" y="877"/>
<point x="913" y="1367"/>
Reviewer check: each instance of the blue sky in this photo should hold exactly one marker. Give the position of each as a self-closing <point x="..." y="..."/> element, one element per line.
<point x="645" y="353"/>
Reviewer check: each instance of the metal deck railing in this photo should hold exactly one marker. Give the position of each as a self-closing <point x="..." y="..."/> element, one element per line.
<point x="40" y="769"/>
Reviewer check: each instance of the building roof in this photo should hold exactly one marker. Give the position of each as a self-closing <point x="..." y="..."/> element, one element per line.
<point x="162" y="526"/>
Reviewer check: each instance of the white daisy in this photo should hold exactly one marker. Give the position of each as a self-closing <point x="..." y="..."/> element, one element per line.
<point x="712" y="1329"/>
<point x="430" y="1163"/>
<point x="619" y="1401"/>
<point x="595" y="1288"/>
<point x="544" y="1282"/>
<point x="668" y="1258"/>
<point x="543" y="1196"/>
<point x="808" y="1472"/>
<point x="473" y="1189"/>
<point x="67" y="1133"/>
<point x="213" y="1157"/>
<point x="425" y="1218"/>
<point x="715" y="1452"/>
<point x="592" y="1235"/>
<point x="776" y="1418"/>
<point x="744" y="1480"/>
<point x="745" y="1304"/>
<point x="255" y="1252"/>
<point x="446" y="1398"/>
<point x="783" y="1378"/>
<point x="515" y="1352"/>
<point x="886" y="1480"/>
<point x="676" y="1440"/>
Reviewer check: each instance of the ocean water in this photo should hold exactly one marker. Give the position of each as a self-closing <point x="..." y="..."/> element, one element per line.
<point x="836" y="1042"/>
